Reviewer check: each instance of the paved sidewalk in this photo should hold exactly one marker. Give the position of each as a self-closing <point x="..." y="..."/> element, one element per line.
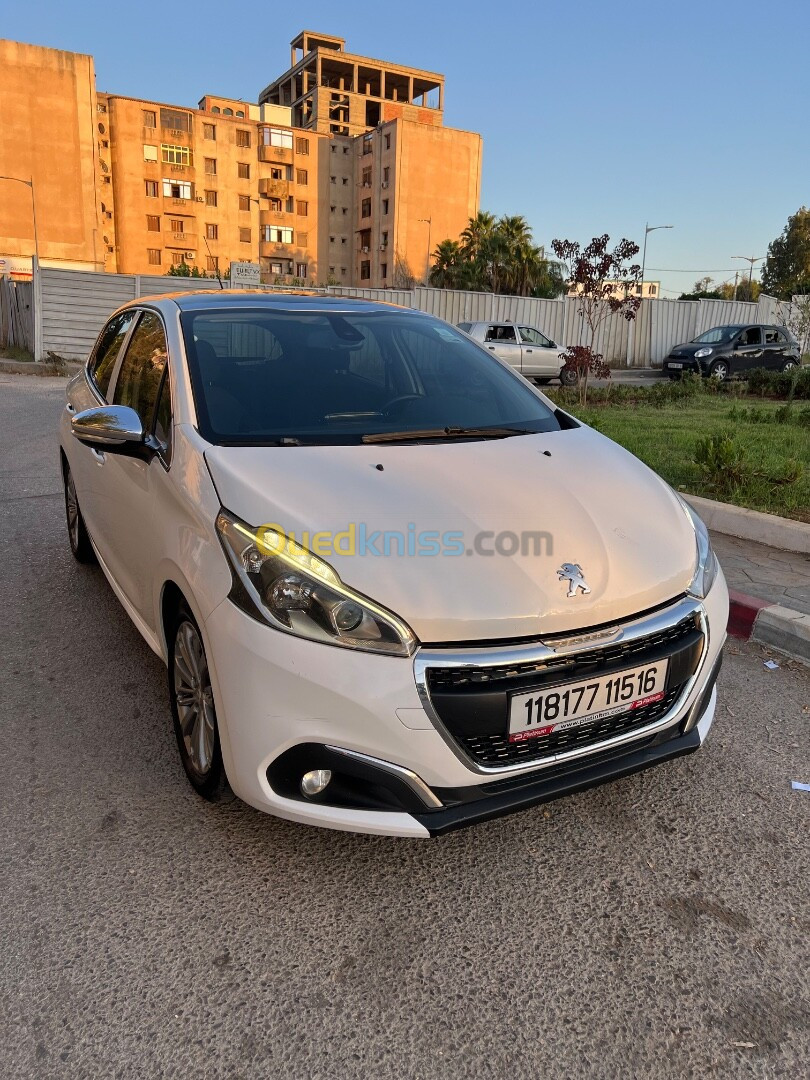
<point x="780" y="577"/>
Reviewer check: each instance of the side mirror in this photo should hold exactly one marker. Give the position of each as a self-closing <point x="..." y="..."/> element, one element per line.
<point x="115" y="427"/>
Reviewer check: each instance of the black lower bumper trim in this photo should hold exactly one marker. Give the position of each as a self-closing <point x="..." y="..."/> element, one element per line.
<point x="547" y="788"/>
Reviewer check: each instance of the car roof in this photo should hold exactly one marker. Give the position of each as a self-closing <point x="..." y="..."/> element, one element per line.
<point x="207" y="300"/>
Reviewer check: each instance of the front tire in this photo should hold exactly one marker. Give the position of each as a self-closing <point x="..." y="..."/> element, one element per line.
<point x="80" y="545"/>
<point x="193" y="711"/>
<point x="719" y="370"/>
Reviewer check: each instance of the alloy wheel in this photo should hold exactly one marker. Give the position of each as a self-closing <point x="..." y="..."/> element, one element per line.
<point x="194" y="697"/>
<point x="72" y="510"/>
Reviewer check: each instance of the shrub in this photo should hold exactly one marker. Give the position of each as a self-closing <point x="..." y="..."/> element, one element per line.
<point x="782" y="384"/>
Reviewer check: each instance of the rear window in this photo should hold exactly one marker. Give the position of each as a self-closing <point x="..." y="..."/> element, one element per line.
<point x="264" y="376"/>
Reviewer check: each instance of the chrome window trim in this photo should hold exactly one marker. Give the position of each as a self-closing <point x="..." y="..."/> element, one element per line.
<point x="414" y="782"/>
<point x="424" y="659"/>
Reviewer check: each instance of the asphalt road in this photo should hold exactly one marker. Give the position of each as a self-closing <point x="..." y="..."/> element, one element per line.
<point x="656" y="927"/>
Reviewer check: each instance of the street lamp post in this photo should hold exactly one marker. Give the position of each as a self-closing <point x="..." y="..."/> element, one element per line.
<point x="750" y="259"/>
<point x="647" y="230"/>
<point x="428" y="221"/>
<point x="29" y="184"/>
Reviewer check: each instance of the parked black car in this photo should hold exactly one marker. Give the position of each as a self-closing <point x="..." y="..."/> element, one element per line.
<point x="724" y="351"/>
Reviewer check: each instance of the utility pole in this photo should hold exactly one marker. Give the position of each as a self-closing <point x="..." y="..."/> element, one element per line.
<point x="750" y="259"/>
<point x="736" y="275"/>
<point x="647" y="230"/>
<point x="428" y="221"/>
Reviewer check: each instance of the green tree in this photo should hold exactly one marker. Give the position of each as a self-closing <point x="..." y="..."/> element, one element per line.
<point x="786" y="272"/>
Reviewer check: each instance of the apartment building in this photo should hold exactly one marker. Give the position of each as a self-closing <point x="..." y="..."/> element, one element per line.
<point x="353" y="191"/>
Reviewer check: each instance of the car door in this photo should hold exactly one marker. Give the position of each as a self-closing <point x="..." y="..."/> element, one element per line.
<point x="501" y="338"/>
<point x="748" y="350"/>
<point x="775" y="345"/>
<point x="128" y="483"/>
<point x="539" y="354"/>
<point x="87" y="393"/>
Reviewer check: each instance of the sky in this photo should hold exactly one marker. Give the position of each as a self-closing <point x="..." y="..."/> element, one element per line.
<point x="596" y="117"/>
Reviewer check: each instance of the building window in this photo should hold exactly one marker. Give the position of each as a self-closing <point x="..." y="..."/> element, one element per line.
<point x="210" y="166"/>
<point x="244" y="236"/>
<point x="150" y="121"/>
<point x="244" y="202"/>
<point x="365" y="208"/>
<point x="302" y="146"/>
<point x="215" y="109"/>
<point x="153" y="223"/>
<point x="178" y="258"/>
<point x="343" y="239"/>
<point x="302" y="176"/>
<point x="300" y="269"/>
<point x="343" y="271"/>
<point x="240" y="114"/>
<point x="242" y="137"/>
<point x="177" y="121"/>
<point x="276" y="173"/>
<point x="345" y="151"/>
<point x="289" y="205"/>
<point x="367" y="177"/>
<point x="345" y="181"/>
<point x="275" y="205"/>
<point x="276" y="268"/>
<point x="209" y="131"/>
<point x="303" y="208"/>
<point x="367" y="147"/>
<point x="383" y="270"/>
<point x="344" y="210"/>
<point x="274" y="234"/>
<point x="384" y="240"/>
<point x="365" y="270"/>
<point x="176" y="189"/>
<point x="210" y="198"/>
<point x="386" y="175"/>
<point x="211" y="232"/>
<point x="332" y="179"/>
<point x="277" y="137"/>
<point x="243" y="170"/>
<point x="227" y="112"/>
<point x="333" y="148"/>
<point x="331" y="269"/>
<point x="387" y="142"/>
<point x="385" y="206"/>
<point x="212" y="263"/>
<point x="302" y="238"/>
<point x="332" y="209"/>
<point x="175" y="155"/>
<point x="177" y="225"/>
<point x="149" y="152"/>
<point x="153" y="255"/>
<point x="151" y="189"/>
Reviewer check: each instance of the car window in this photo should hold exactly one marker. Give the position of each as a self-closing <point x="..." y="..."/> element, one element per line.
<point x="751" y="336"/>
<point x="333" y="377"/>
<point x="530" y="336"/>
<point x="716" y="335"/>
<point x="163" y="416"/>
<point x="773" y="336"/>
<point x="142" y="369"/>
<point x="109" y="346"/>
<point x="465" y="326"/>
<point x="501" y="333"/>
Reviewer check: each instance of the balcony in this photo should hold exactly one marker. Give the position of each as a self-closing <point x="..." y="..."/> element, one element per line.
<point x="278" y="189"/>
<point x="279" y="155"/>
<point x="272" y="249"/>
<point x="180" y="239"/>
<point x="276" y="217"/>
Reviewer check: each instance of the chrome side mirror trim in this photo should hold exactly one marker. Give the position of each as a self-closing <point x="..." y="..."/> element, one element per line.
<point x="113" y="426"/>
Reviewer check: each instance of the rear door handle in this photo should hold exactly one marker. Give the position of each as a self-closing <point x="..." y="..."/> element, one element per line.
<point x="528" y="350"/>
<point x="99" y="455"/>
<point x="491" y="348"/>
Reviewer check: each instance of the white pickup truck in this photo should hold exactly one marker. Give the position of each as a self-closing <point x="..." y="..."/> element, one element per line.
<point x="524" y="347"/>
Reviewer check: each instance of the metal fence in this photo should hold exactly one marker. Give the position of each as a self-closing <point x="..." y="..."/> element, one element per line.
<point x="72" y="306"/>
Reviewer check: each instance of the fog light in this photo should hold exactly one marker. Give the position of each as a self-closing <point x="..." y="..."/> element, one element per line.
<point x="313" y="783"/>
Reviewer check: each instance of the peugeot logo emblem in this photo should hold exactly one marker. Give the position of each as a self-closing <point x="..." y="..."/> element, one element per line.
<point x="572" y="573"/>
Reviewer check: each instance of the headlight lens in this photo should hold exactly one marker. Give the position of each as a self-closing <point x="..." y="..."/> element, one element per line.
<point x="295" y="591"/>
<point x="707" y="565"/>
<point x="701" y="353"/>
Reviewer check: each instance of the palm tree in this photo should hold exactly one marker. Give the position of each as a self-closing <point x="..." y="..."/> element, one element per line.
<point x="445" y="272"/>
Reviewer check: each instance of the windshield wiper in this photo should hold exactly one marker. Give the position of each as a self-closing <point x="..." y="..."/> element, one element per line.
<point x="446" y="433"/>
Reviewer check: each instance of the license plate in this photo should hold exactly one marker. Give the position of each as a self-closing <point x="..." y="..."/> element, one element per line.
<point x="678" y="366"/>
<point x="568" y="705"/>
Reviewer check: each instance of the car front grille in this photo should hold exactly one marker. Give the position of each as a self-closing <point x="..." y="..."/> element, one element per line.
<point x="472" y="703"/>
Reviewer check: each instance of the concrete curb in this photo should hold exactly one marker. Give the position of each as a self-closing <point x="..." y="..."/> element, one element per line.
<point x="773" y="625"/>
<point x="776" y="532"/>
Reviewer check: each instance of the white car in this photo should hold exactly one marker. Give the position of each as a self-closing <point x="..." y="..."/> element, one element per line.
<point x="397" y="590"/>
<point x="526" y="348"/>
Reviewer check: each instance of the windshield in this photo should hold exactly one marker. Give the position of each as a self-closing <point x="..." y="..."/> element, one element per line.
<point x="717" y="335"/>
<point x="265" y="376"/>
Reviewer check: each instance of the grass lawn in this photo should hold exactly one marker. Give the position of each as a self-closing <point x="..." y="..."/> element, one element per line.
<point x="665" y="439"/>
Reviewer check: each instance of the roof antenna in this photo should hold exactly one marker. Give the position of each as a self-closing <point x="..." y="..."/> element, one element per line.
<point x="214" y="261"/>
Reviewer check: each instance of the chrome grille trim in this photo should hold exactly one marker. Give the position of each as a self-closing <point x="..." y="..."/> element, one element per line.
<point x="544" y="651"/>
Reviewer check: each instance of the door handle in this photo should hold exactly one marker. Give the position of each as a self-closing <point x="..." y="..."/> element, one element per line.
<point x="491" y="348"/>
<point x="99" y="455"/>
<point x="528" y="350"/>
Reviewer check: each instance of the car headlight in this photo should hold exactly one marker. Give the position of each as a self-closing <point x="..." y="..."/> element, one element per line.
<point x="707" y="565"/>
<point x="702" y="353"/>
<point x="293" y="590"/>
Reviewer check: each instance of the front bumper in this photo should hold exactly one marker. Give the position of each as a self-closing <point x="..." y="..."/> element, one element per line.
<point x="286" y="705"/>
<point x="674" y="366"/>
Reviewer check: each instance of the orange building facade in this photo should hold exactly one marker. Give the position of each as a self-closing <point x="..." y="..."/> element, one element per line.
<point x="285" y="183"/>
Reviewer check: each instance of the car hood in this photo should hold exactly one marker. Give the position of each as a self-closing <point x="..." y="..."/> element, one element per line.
<point x="592" y="503"/>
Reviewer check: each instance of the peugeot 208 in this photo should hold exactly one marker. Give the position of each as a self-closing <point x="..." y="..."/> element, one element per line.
<point x="396" y="589"/>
